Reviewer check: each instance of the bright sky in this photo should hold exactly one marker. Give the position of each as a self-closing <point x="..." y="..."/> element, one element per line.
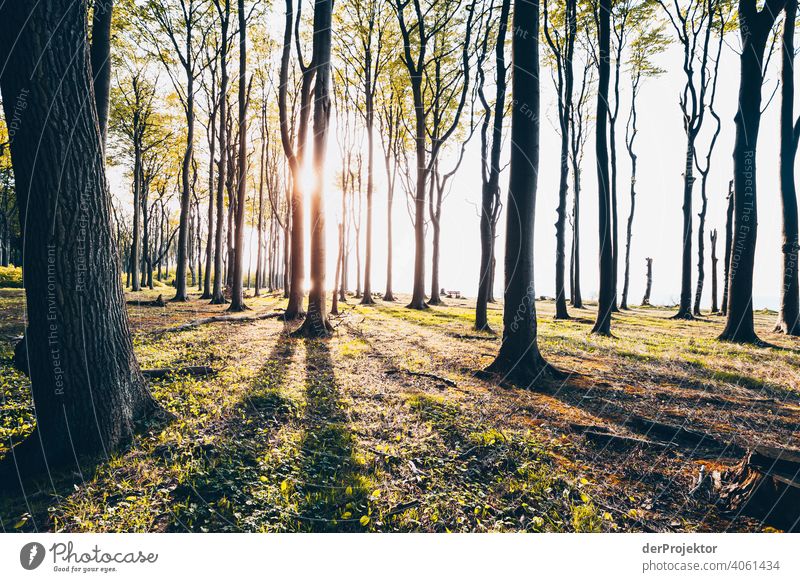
<point x="658" y="220"/>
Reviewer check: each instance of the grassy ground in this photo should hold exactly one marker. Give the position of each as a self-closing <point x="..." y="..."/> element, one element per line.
<point x="385" y="427"/>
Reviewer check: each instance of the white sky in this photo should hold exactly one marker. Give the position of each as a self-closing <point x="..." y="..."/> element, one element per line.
<point x="658" y="220"/>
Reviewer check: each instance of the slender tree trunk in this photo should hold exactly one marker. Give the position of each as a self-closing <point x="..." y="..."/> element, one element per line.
<point x="714" y="305"/>
<point x="367" y="298"/>
<point x="137" y="206"/>
<point x="701" y="247"/>
<point x="789" y="314"/>
<point x="183" y="226"/>
<point x="75" y="303"/>
<point x="728" y="248"/>
<point x="388" y="295"/>
<point x="316" y="323"/>
<point x="237" y="293"/>
<point x="605" y="303"/>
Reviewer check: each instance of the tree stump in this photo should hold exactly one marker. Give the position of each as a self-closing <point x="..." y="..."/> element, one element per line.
<point x="766" y="486"/>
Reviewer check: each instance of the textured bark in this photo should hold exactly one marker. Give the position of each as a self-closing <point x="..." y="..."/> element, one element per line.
<point x="519" y="359"/>
<point x="789" y="313"/>
<point x="605" y="301"/>
<point x="755" y="26"/>
<point x="75" y="305"/>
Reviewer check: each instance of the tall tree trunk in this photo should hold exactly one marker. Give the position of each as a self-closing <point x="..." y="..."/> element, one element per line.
<point x="388" y="295"/>
<point x="181" y="258"/>
<point x="605" y="302"/>
<point x="75" y="303"/>
<point x="316" y="323"/>
<point x="261" y="176"/>
<point x="519" y="359"/>
<point x="370" y="117"/>
<point x="218" y="295"/>
<point x="755" y="26"/>
<point x="789" y="314"/>
<point x="630" y="138"/>
<point x="577" y="297"/>
<point x="237" y="292"/>
<point x="137" y="207"/>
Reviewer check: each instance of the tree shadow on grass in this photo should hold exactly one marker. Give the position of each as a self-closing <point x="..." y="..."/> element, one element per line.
<point x="218" y="495"/>
<point x="331" y="488"/>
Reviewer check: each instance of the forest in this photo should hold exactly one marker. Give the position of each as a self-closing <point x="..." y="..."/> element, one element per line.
<point x="399" y="266"/>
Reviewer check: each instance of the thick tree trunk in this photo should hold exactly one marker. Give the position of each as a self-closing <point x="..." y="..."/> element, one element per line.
<point x="519" y="359"/>
<point x="367" y="298"/>
<point x="756" y="27"/>
<point x="789" y="313"/>
<point x="418" y="290"/>
<point x="605" y="302"/>
<point x="181" y="258"/>
<point x="575" y="276"/>
<point x="75" y="304"/>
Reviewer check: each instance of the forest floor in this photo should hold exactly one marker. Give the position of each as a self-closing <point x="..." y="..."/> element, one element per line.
<point x="385" y="427"/>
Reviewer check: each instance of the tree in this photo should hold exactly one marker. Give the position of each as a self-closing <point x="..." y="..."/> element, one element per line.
<point x="562" y="47"/>
<point x="519" y="359"/>
<point x="178" y="23"/>
<point x="605" y="301"/>
<point x="316" y="323"/>
<point x="713" y="237"/>
<point x="69" y="263"/>
<point x="649" y="40"/>
<point x="578" y="128"/>
<point x="728" y="248"/>
<point x="491" y="146"/>
<point x="237" y="293"/>
<point x="649" y="284"/>
<point x="692" y="24"/>
<point x="789" y="313"/>
<point x="390" y="121"/>
<point x="705" y="168"/>
<point x="755" y="26"/>
<point x="417" y="35"/>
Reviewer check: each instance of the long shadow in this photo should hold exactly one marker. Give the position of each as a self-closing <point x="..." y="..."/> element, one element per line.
<point x="330" y="485"/>
<point x="217" y="496"/>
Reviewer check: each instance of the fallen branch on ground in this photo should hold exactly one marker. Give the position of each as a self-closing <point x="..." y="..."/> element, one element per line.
<point x="157" y="373"/>
<point x="446" y="381"/>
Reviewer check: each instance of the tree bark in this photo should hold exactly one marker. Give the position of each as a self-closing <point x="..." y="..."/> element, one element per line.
<point x="519" y="359"/>
<point x="789" y="313"/>
<point x="755" y="26"/>
<point x="649" y="285"/>
<point x="316" y="323"/>
<point x="237" y="292"/>
<point x="605" y="302"/>
<point x="75" y="304"/>
<point x="728" y="248"/>
<point x="714" y="305"/>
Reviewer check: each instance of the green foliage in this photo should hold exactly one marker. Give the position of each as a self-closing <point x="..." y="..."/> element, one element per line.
<point x="11" y="276"/>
